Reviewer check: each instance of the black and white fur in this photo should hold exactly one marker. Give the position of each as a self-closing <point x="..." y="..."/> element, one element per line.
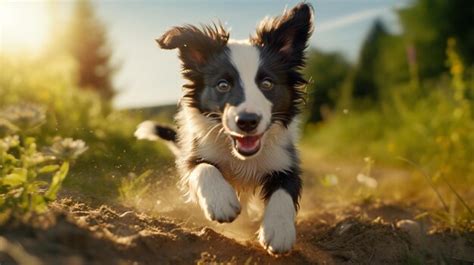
<point x="237" y="123"/>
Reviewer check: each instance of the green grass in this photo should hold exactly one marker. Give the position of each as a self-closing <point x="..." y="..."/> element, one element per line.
<point x="113" y="152"/>
<point x="426" y="130"/>
<point x="30" y="175"/>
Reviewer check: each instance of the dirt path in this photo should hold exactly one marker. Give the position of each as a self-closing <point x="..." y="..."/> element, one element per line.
<point x="332" y="229"/>
<point x="84" y="233"/>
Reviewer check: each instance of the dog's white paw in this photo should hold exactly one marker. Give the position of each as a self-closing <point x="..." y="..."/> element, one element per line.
<point x="277" y="233"/>
<point x="219" y="202"/>
<point x="214" y="194"/>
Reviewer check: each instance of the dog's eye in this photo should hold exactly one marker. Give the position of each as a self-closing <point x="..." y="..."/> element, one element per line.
<point x="223" y="86"/>
<point x="266" y="84"/>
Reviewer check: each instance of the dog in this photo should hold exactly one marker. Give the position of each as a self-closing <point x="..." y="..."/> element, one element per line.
<point x="237" y="123"/>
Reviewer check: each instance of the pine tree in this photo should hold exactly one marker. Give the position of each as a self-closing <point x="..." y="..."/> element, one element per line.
<point x="87" y="43"/>
<point x="428" y="24"/>
<point x="327" y="72"/>
<point x="364" y="84"/>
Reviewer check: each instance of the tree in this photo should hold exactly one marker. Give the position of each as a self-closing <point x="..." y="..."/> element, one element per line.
<point x="87" y="43"/>
<point x="364" y="84"/>
<point x="428" y="24"/>
<point x="327" y="72"/>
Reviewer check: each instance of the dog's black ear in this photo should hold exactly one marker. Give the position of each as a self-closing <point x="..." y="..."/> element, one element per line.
<point x="195" y="45"/>
<point x="287" y="34"/>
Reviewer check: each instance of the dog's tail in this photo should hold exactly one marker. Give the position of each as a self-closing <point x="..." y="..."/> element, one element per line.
<point x="152" y="131"/>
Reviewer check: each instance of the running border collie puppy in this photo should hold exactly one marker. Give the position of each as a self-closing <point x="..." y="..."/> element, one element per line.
<point x="237" y="122"/>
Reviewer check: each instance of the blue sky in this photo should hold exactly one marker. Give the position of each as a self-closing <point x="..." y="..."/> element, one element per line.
<point x="149" y="76"/>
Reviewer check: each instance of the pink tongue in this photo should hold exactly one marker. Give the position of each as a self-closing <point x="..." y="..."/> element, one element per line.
<point x="248" y="142"/>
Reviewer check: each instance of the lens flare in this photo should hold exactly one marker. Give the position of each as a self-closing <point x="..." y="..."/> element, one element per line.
<point x="23" y="25"/>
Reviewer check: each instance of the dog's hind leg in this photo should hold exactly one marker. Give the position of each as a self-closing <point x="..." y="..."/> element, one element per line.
<point x="213" y="193"/>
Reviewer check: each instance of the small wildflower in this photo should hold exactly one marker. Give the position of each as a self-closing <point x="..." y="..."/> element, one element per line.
<point x="330" y="180"/>
<point x="367" y="181"/>
<point x="36" y="158"/>
<point x="368" y="160"/>
<point x="24" y="116"/>
<point x="66" y="149"/>
<point x="9" y="142"/>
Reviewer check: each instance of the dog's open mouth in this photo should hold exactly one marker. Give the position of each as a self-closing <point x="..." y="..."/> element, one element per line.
<point x="247" y="145"/>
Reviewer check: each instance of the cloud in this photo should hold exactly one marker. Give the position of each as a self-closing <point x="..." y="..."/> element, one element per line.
<point x="346" y="20"/>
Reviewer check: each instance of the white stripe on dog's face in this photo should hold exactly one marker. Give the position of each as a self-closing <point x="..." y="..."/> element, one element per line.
<point x="246" y="60"/>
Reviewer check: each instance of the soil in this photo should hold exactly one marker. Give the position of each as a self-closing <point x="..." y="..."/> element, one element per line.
<point x="84" y="232"/>
<point x="159" y="228"/>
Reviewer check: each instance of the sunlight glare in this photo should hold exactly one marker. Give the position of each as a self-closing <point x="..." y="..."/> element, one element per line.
<point x="23" y="25"/>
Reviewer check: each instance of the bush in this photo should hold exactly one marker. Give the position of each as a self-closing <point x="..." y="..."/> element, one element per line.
<point x="113" y="151"/>
<point x="30" y="178"/>
<point x="430" y="125"/>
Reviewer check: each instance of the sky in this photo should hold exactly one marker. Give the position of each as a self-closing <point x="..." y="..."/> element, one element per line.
<point x="149" y="76"/>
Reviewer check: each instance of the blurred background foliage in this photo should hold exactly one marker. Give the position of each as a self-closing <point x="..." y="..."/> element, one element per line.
<point x="408" y="97"/>
<point x="407" y="101"/>
<point x="72" y="80"/>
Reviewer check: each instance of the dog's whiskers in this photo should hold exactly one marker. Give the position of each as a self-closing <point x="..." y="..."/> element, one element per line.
<point x="213" y="113"/>
<point x="210" y="131"/>
<point x="215" y="116"/>
<point x="280" y="116"/>
<point x="219" y="133"/>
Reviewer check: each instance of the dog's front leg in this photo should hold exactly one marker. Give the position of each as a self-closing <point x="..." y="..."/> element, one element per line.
<point x="281" y="192"/>
<point x="214" y="194"/>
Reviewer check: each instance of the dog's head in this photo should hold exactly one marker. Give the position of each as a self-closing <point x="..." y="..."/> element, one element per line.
<point x="246" y="86"/>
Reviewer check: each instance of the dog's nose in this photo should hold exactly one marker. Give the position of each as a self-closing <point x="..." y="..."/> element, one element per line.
<point x="247" y="122"/>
